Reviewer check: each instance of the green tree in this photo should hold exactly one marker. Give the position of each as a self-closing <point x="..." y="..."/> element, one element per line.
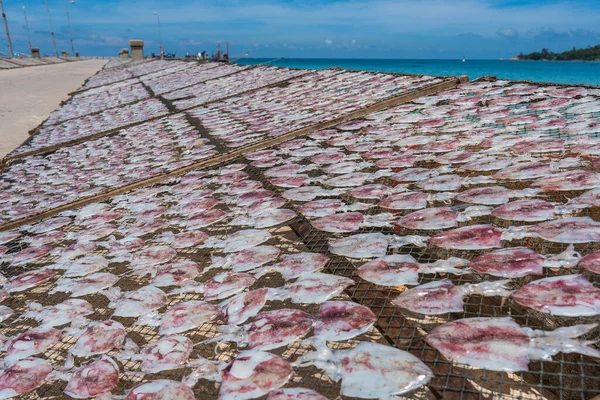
<point x="586" y="54"/>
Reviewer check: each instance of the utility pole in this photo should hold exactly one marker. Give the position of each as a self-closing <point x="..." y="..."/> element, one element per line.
<point x="10" y="48"/>
<point x="27" y="27"/>
<point x="159" y="36"/>
<point x="70" y="30"/>
<point x="51" y="29"/>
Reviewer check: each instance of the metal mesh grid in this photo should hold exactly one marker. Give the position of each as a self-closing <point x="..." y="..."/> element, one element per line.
<point x="125" y="71"/>
<point x="105" y="121"/>
<point x="566" y="376"/>
<point x="85" y="104"/>
<point x="90" y="113"/>
<point x="304" y="101"/>
<point x="7" y="65"/>
<point x="186" y="147"/>
<point x="116" y="62"/>
<point x="133" y="154"/>
<point x="27" y="61"/>
<point x="103" y="109"/>
<point x="190" y="76"/>
<point x="173" y="67"/>
<point x="105" y="88"/>
<point x="232" y="85"/>
<point x="282" y="237"/>
<point x="107" y="77"/>
<point x="153" y="66"/>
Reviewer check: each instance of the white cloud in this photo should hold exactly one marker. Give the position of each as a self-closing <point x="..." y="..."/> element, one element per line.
<point x="109" y="41"/>
<point x="191" y="42"/>
<point x="481" y="16"/>
<point x="379" y="25"/>
<point x="506" y="32"/>
<point x="278" y="20"/>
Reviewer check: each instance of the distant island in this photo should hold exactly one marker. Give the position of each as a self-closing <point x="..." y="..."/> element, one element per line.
<point x="587" y="54"/>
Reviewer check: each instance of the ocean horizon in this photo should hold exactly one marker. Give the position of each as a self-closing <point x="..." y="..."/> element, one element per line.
<point x="568" y="72"/>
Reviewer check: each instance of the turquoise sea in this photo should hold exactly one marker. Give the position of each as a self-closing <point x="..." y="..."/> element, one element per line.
<point x="574" y="72"/>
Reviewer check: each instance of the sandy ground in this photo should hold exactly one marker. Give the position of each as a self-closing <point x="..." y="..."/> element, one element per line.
<point x="29" y="95"/>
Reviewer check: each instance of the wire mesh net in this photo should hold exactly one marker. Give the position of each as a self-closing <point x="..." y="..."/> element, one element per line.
<point x="436" y="134"/>
<point x="112" y="158"/>
<point x="566" y="376"/>
<point x="282" y="237"/>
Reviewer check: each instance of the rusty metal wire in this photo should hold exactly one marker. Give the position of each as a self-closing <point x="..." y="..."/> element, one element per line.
<point x="566" y="376"/>
<point x="282" y="237"/>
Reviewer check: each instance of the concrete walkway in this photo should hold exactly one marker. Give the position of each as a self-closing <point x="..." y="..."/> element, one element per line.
<point x="29" y="95"/>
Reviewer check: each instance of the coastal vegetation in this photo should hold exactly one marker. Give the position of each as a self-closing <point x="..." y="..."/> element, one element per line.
<point x="588" y="54"/>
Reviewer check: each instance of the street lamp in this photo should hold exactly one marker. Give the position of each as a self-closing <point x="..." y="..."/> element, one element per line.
<point x="70" y="30"/>
<point x="159" y="36"/>
<point x="27" y="27"/>
<point x="51" y="29"/>
<point x="10" y="48"/>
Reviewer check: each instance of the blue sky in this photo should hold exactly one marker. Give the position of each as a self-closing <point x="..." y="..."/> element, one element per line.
<point x="332" y="28"/>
